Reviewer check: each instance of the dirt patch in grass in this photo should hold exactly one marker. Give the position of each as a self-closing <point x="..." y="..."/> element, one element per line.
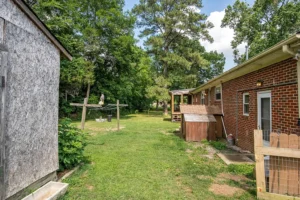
<point x="203" y="177"/>
<point x="95" y="129"/>
<point x="114" y="129"/>
<point x="211" y="152"/>
<point x="187" y="189"/>
<point x="90" y="187"/>
<point x="165" y="132"/>
<point x="232" y="177"/>
<point x="84" y="175"/>
<point x="189" y="151"/>
<point x="103" y="129"/>
<point x="225" y="190"/>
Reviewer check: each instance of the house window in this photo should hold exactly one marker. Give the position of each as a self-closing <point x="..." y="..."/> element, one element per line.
<point x="202" y="98"/>
<point x="246" y="104"/>
<point x="218" y="93"/>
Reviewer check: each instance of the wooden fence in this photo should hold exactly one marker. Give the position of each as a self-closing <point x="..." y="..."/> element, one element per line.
<point x="277" y="166"/>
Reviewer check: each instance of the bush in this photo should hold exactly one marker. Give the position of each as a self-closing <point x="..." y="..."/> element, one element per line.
<point x="216" y="144"/>
<point x="71" y="144"/>
<point x="242" y="169"/>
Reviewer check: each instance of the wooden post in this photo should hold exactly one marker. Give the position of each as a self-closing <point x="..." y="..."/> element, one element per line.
<point x="260" y="162"/>
<point x="83" y="113"/>
<point x="274" y="164"/>
<point x="172" y="104"/>
<point x="88" y="91"/>
<point x="181" y="100"/>
<point x="118" y="114"/>
<point x="293" y="178"/>
<point x="283" y="165"/>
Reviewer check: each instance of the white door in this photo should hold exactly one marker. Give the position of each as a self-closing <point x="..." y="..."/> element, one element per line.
<point x="264" y="110"/>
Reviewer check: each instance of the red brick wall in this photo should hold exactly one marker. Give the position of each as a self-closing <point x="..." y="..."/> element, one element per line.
<point x="284" y="101"/>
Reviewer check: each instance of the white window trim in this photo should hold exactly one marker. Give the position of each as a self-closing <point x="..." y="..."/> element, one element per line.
<point x="263" y="94"/>
<point x="219" y="86"/>
<point x="244" y="94"/>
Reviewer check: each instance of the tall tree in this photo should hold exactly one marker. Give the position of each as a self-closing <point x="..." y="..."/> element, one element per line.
<point x="100" y="37"/>
<point x="168" y="26"/>
<point x="261" y="26"/>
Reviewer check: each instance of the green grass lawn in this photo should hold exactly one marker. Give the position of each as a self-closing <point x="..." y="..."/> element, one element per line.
<point x="147" y="160"/>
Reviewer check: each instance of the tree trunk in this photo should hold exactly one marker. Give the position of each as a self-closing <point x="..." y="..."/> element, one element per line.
<point x="165" y="108"/>
<point x="165" y="72"/>
<point x="88" y="91"/>
<point x="157" y="105"/>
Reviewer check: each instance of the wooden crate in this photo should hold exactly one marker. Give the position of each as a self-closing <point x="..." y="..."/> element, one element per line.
<point x="198" y="127"/>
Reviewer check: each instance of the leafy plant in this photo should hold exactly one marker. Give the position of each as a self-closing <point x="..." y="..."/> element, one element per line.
<point x="218" y="145"/>
<point x="246" y="170"/>
<point x="269" y="22"/>
<point x="71" y="144"/>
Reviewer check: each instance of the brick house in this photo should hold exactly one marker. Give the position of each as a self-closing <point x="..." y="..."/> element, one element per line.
<point x="262" y="92"/>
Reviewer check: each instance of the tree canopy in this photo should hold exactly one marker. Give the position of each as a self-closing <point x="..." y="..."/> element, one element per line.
<point x="100" y="36"/>
<point x="262" y="25"/>
<point x="173" y="30"/>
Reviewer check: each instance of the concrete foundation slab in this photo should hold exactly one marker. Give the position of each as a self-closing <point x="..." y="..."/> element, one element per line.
<point x="235" y="158"/>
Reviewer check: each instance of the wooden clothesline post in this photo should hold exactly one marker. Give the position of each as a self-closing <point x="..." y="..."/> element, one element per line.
<point x="118" y="115"/>
<point x="83" y="116"/>
<point x="85" y="105"/>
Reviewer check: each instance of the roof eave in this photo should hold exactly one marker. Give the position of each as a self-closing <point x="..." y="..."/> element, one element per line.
<point x="274" y="48"/>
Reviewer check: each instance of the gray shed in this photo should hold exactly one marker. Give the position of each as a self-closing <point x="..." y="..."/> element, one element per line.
<point x="197" y="127"/>
<point x="29" y="86"/>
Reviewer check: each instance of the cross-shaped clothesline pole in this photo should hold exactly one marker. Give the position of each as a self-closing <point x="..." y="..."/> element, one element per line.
<point x="85" y="105"/>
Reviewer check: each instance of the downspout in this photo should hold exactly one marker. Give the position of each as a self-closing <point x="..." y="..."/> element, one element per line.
<point x="222" y="106"/>
<point x="222" y="99"/>
<point x="287" y="49"/>
<point x="237" y="117"/>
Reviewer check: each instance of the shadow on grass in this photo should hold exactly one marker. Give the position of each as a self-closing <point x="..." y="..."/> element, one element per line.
<point x="178" y="134"/>
<point x="95" y="143"/>
<point x="127" y="116"/>
<point x="247" y="185"/>
<point x="167" y="119"/>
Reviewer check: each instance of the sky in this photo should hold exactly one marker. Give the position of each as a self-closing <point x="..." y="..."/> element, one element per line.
<point x="215" y="10"/>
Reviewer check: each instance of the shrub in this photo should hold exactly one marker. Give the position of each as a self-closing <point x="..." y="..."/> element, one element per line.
<point x="71" y="144"/>
<point x="218" y="145"/>
<point x="242" y="169"/>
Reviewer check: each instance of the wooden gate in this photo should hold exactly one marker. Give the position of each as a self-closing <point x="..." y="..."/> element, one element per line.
<point x="3" y="67"/>
<point x="277" y="166"/>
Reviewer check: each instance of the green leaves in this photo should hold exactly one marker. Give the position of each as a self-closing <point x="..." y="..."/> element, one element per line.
<point x="99" y="34"/>
<point x="263" y="25"/>
<point x="173" y="29"/>
<point x="159" y="91"/>
<point x="71" y="144"/>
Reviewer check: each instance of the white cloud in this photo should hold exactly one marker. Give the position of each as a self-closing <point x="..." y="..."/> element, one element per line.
<point x="222" y="39"/>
